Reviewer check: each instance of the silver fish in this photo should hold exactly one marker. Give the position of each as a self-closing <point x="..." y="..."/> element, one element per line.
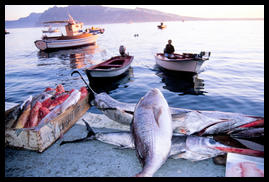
<point x="152" y="131"/>
<point x="115" y="110"/>
<point x="184" y="121"/>
<point x="192" y="148"/>
<point x="250" y="133"/>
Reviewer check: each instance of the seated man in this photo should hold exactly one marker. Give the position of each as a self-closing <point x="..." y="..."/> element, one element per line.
<point x="122" y="50"/>
<point x="169" y="50"/>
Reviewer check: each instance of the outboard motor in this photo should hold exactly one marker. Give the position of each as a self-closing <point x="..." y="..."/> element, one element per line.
<point x="122" y="50"/>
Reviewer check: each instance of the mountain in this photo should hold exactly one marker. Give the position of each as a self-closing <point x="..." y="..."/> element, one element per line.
<point x="95" y="14"/>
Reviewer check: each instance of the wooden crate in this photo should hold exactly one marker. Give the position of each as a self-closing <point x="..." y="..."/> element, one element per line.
<point x="49" y="133"/>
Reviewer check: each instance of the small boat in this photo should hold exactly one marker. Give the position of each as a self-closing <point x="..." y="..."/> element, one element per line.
<point x="113" y="67"/>
<point x="75" y="37"/>
<point x="6" y="32"/>
<point x="161" y="26"/>
<point x="186" y="62"/>
<point x="95" y="30"/>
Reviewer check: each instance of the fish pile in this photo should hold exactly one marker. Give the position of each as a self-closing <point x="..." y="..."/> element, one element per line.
<point x="158" y="131"/>
<point x="36" y="111"/>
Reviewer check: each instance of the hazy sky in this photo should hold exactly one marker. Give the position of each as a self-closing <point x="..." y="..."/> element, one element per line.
<point x="14" y="12"/>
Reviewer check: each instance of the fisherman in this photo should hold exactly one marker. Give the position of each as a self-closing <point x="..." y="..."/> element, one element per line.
<point x="122" y="50"/>
<point x="169" y="50"/>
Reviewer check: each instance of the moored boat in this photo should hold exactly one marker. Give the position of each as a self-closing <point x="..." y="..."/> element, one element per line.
<point x="95" y="30"/>
<point x="75" y="37"/>
<point x="112" y="67"/>
<point x="186" y="62"/>
<point x="161" y="26"/>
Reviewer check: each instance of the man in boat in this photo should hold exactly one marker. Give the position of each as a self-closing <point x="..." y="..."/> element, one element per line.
<point x="122" y="50"/>
<point x="169" y="50"/>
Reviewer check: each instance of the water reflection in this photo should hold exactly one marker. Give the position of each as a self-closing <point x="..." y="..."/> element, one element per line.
<point x="79" y="57"/>
<point x="109" y="84"/>
<point x="185" y="83"/>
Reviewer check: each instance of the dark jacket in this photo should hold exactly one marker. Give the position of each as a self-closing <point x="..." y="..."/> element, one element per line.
<point x="169" y="49"/>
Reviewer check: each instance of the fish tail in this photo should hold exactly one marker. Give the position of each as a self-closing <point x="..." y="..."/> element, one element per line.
<point x="251" y="152"/>
<point x="89" y="129"/>
<point x="89" y="135"/>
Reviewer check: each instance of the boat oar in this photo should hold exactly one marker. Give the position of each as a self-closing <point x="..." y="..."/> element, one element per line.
<point x="94" y="93"/>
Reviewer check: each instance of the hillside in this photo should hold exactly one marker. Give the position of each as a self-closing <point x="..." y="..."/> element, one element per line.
<point x="95" y="15"/>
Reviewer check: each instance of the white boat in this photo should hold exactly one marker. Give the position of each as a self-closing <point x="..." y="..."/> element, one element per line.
<point x="75" y="37"/>
<point x="113" y="67"/>
<point x="186" y="62"/>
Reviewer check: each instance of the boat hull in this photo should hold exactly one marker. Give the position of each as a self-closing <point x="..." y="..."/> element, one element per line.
<point x="62" y="42"/>
<point x="188" y="65"/>
<point x="109" y="72"/>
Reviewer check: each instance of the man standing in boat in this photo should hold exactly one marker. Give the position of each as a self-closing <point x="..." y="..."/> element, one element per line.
<point x="169" y="50"/>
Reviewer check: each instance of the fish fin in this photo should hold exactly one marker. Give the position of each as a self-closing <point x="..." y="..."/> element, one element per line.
<point x="105" y="109"/>
<point x="89" y="129"/>
<point x="121" y="147"/>
<point x="75" y="141"/>
<point x="178" y="156"/>
<point x="129" y="112"/>
<point x="157" y="113"/>
<point x="90" y="133"/>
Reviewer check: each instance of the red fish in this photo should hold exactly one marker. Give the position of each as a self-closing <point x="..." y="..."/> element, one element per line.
<point x="59" y="89"/>
<point x="58" y="100"/>
<point x="84" y="92"/>
<point x="43" y="111"/>
<point x="33" y="121"/>
<point x="48" y="89"/>
<point x="47" y="103"/>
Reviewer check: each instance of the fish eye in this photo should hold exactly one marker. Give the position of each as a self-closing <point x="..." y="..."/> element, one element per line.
<point x="212" y="141"/>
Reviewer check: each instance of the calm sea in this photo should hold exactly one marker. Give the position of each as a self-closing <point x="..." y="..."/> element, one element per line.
<point x="232" y="80"/>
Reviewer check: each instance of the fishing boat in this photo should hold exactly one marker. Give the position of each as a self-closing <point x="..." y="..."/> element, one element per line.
<point x="75" y="37"/>
<point x="161" y="26"/>
<point x="112" y="67"/>
<point x="186" y="62"/>
<point x="95" y="30"/>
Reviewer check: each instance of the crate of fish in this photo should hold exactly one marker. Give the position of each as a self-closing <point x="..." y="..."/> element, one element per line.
<point x="40" y="120"/>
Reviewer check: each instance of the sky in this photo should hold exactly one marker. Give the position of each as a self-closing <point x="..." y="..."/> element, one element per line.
<point x="14" y="12"/>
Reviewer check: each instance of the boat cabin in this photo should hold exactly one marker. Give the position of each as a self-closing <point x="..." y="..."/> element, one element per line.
<point x="73" y="28"/>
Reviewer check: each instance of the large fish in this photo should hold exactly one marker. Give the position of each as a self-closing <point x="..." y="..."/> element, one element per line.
<point x="152" y="131"/>
<point x="33" y="120"/>
<point x="24" y="116"/>
<point x="12" y="116"/>
<point x="192" y="148"/>
<point x="185" y="121"/>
